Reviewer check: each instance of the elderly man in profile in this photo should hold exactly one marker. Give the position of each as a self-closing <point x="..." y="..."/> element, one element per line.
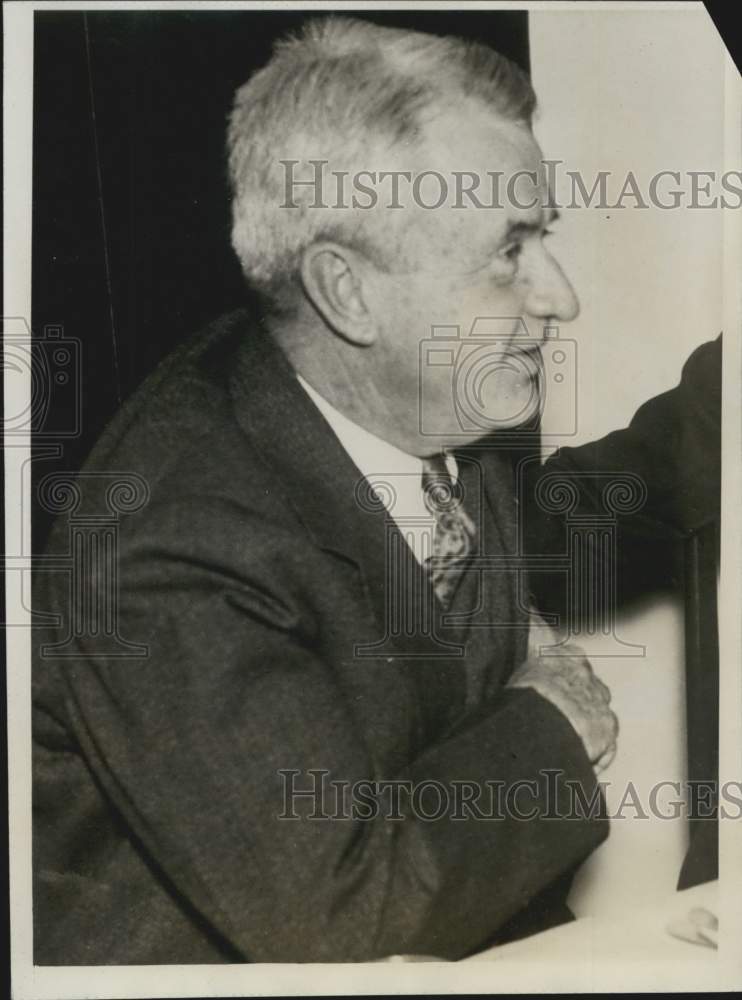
<point x="322" y="575"/>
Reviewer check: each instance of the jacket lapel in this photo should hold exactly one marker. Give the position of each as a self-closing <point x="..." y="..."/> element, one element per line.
<point x="330" y="495"/>
<point x="490" y="602"/>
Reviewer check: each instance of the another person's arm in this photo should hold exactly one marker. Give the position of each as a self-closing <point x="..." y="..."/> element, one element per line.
<point x="674" y="444"/>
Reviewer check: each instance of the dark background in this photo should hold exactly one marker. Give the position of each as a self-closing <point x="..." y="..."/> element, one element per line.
<point x="131" y="213"/>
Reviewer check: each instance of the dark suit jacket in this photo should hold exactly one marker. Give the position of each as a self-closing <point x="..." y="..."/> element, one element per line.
<point x="251" y="575"/>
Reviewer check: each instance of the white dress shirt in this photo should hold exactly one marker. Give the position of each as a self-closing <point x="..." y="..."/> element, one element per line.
<point x="395" y="475"/>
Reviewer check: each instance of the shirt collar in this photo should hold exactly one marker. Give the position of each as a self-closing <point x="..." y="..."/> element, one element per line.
<point x="371" y="454"/>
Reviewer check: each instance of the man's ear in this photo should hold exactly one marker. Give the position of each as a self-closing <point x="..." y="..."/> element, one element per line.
<point x="332" y="276"/>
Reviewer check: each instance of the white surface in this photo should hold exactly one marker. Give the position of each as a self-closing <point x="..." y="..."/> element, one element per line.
<point x="641" y="936"/>
<point x="639" y="863"/>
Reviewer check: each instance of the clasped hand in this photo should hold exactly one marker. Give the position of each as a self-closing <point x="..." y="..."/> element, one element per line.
<point x="567" y="680"/>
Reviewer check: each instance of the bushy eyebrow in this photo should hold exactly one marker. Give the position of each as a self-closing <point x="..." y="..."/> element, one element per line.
<point x="515" y="229"/>
<point x="518" y="229"/>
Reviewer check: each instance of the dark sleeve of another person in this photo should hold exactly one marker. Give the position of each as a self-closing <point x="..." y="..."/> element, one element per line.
<point x="673" y="444"/>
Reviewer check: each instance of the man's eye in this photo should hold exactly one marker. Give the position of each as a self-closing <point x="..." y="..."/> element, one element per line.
<point x="512" y="251"/>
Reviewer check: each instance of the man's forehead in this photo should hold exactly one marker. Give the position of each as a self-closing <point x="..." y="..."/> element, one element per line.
<point x="473" y="138"/>
<point x="500" y="159"/>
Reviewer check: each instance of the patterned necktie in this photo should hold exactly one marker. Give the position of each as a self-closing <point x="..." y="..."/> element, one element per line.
<point x="455" y="532"/>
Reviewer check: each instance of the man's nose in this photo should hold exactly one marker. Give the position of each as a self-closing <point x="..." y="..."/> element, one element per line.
<point x="550" y="294"/>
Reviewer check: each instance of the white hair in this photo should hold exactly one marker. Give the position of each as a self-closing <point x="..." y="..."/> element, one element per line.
<point x="345" y="91"/>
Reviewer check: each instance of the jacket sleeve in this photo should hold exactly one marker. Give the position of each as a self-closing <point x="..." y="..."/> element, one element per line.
<point x="673" y="444"/>
<point x="189" y="744"/>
